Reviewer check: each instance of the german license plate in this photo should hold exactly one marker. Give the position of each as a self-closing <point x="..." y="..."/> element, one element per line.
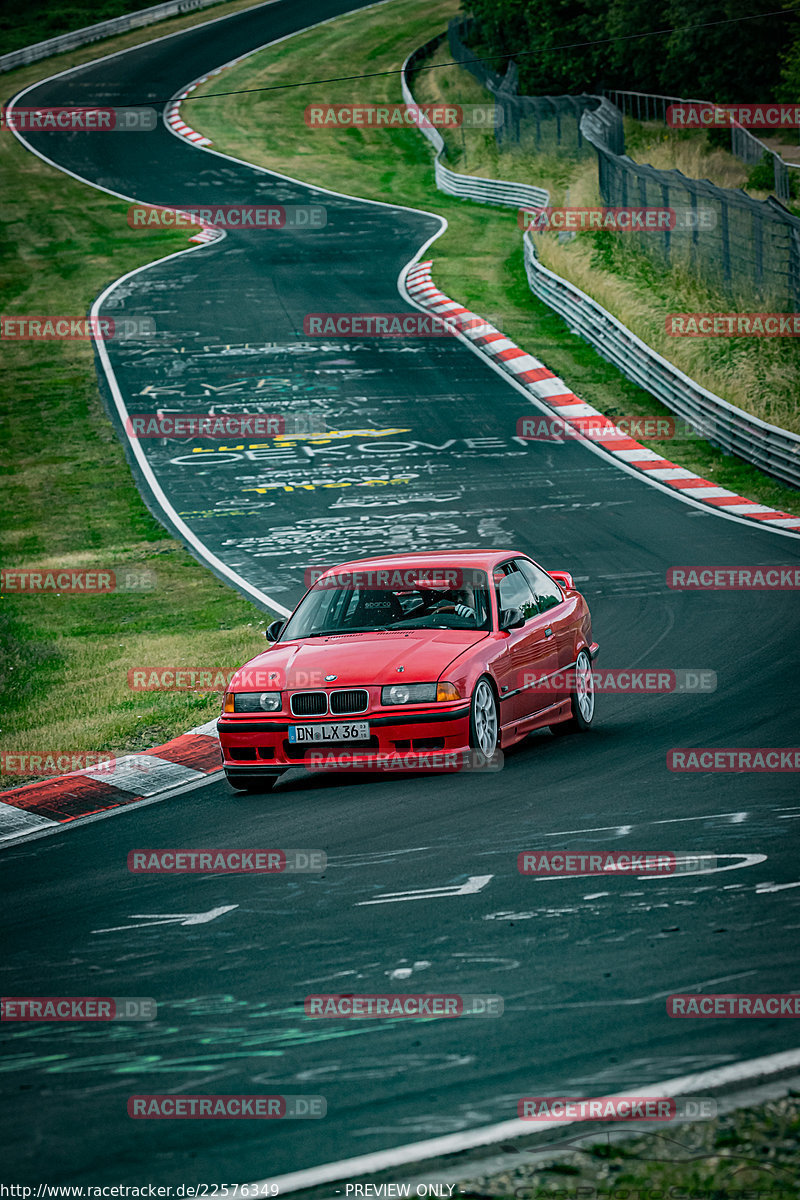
<point x="340" y="731"/>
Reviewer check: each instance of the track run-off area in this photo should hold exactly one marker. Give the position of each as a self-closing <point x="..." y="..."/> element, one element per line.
<point x="422" y="453"/>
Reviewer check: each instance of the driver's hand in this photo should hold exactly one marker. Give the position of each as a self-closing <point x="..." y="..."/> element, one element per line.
<point x="461" y="610"/>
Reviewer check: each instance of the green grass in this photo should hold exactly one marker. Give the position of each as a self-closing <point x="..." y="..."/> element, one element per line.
<point x="69" y="499"/>
<point x="747" y="1154"/>
<point x="759" y="375"/>
<point x="478" y="261"/>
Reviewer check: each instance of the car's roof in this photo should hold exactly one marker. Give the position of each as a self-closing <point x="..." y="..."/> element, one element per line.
<point x="485" y="559"/>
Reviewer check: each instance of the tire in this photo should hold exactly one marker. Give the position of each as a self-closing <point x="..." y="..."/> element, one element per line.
<point x="582" y="699"/>
<point x="484" y="723"/>
<point x="252" y="783"/>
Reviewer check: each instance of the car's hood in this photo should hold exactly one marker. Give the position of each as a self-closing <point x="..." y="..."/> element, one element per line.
<point x="356" y="658"/>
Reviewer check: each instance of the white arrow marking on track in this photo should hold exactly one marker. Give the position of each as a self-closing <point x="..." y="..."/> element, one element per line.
<point x="747" y="860"/>
<point x="474" y="884"/>
<point x="170" y="919"/>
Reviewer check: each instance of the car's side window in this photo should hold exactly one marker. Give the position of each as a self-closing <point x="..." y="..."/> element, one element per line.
<point x="546" y="591"/>
<point x="514" y="591"/>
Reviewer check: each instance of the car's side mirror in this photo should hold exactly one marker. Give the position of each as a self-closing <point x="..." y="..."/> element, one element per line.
<point x="511" y="618"/>
<point x="274" y="631"/>
<point x="564" y="578"/>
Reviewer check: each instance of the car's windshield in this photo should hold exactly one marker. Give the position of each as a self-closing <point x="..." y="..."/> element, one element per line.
<point x="358" y="606"/>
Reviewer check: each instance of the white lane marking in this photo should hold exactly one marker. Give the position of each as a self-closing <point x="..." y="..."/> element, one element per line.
<point x="763" y="888"/>
<point x="474" y="884"/>
<point x="736" y="818"/>
<point x="201" y="550"/>
<point x="170" y="919"/>
<point x="747" y="860"/>
<point x="14" y="821"/>
<point x="619" y="830"/>
<point x="486" y="1135"/>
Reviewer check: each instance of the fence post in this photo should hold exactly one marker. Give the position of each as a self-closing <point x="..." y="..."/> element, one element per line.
<point x="726" y="245"/>
<point x="667" y="231"/>
<point x="758" y="249"/>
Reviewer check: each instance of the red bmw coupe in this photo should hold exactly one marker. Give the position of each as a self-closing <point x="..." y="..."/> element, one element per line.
<point x="411" y="654"/>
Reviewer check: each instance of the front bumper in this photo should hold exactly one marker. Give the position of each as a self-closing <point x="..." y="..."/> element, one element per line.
<point x="252" y="745"/>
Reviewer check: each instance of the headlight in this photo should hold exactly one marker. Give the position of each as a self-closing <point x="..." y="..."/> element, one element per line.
<point x="408" y="693"/>
<point x="253" y="702"/>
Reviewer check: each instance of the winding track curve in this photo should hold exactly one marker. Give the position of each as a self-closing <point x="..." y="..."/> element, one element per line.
<point x="575" y="962"/>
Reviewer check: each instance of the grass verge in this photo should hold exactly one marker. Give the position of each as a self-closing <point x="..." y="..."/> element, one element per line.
<point x="759" y="375"/>
<point x="69" y="499"/>
<point x="746" y="1154"/>
<point x="479" y="258"/>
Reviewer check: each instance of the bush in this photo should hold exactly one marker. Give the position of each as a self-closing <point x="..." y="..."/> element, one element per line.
<point x="762" y="176"/>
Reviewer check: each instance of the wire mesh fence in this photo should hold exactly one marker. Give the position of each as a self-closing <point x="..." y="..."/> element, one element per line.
<point x="744" y="145"/>
<point x="746" y="249"/>
<point x="526" y="124"/>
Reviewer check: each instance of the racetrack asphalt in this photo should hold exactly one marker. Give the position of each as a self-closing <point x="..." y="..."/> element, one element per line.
<point x="584" y="965"/>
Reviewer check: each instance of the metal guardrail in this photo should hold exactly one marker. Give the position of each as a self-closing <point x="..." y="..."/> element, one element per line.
<point x="774" y="450"/>
<point x="466" y="187"/>
<point x="744" y="144"/>
<point x="94" y="33"/>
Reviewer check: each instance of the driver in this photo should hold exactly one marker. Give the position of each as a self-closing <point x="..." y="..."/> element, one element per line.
<point x="460" y="601"/>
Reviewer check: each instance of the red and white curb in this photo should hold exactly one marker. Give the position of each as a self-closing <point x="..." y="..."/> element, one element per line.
<point x="172" y="113"/>
<point x="173" y="117"/>
<point x="176" y="123"/>
<point x="131" y="779"/>
<point x="552" y="391"/>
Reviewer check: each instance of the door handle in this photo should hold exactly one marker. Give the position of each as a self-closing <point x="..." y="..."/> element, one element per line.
<point x="548" y="632"/>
